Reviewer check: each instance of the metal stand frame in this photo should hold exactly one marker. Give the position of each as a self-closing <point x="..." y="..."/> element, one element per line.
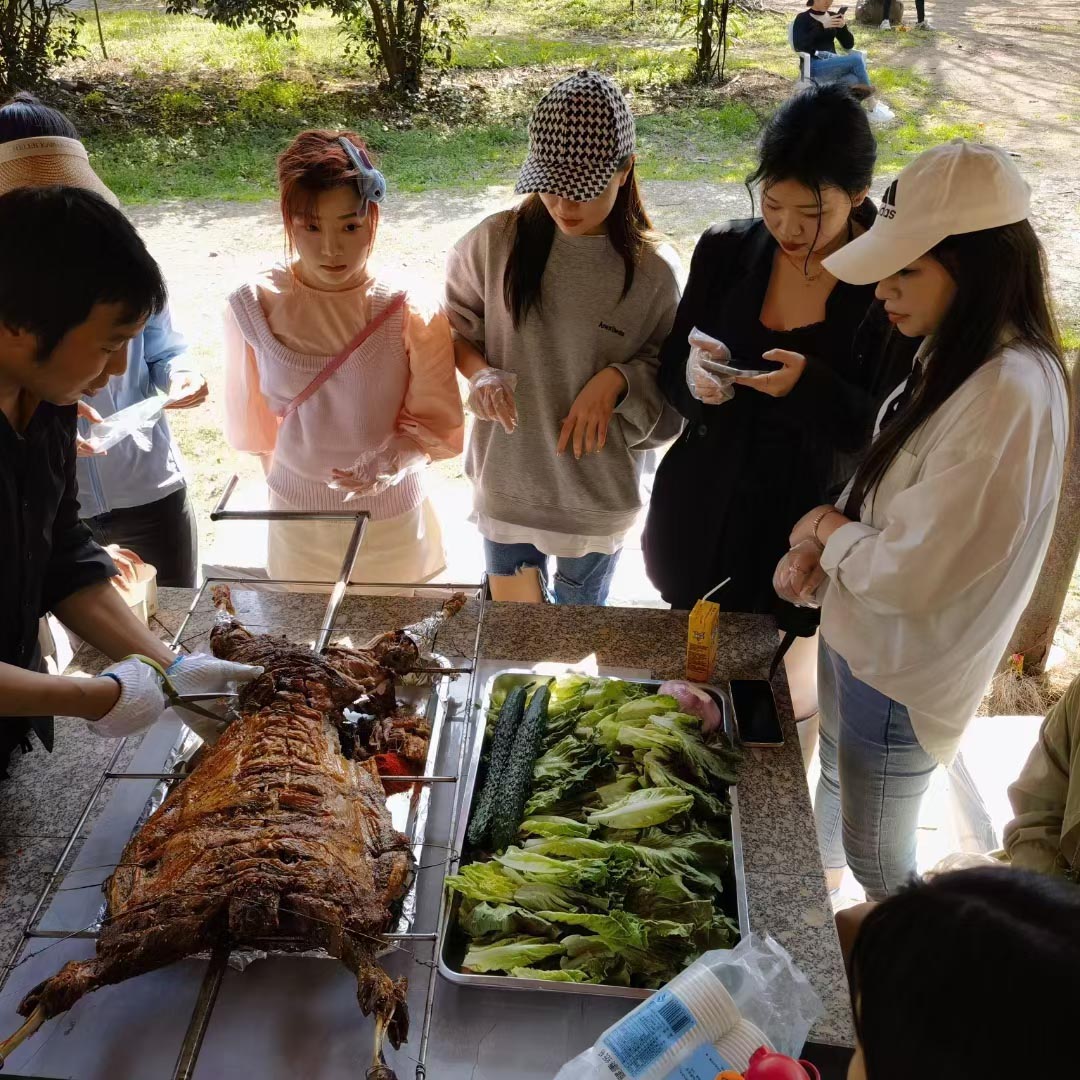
<point x="187" y="1059"/>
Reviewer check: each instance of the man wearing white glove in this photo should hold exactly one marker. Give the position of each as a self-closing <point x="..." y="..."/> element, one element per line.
<point x="51" y="355"/>
<point x="142" y="697"/>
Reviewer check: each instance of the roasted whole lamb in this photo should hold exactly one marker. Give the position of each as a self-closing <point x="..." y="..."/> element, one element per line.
<point x="276" y="836"/>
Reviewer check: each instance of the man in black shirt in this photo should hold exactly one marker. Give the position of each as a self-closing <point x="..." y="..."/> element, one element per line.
<point x="76" y="285"/>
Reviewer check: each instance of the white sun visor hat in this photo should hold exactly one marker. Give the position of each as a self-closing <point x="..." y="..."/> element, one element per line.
<point x="959" y="187"/>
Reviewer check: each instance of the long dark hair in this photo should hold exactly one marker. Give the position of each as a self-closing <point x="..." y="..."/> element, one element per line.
<point x="1001" y="292"/>
<point x="24" y="117"/>
<point x="938" y="968"/>
<point x="628" y="227"/>
<point x="819" y="138"/>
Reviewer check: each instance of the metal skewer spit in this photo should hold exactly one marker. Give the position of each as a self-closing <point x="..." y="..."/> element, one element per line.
<point x="188" y="1054"/>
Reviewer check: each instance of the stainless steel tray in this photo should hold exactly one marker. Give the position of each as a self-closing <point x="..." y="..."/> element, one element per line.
<point x="452" y="951"/>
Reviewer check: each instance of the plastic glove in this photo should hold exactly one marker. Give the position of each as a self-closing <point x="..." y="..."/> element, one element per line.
<point x="491" y="397"/>
<point x="200" y="673"/>
<point x="141" y="701"/>
<point x="704" y="386"/>
<point x="798" y="575"/>
<point x="376" y="470"/>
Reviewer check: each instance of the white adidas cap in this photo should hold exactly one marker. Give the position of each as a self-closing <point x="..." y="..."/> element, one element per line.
<point x="959" y="187"/>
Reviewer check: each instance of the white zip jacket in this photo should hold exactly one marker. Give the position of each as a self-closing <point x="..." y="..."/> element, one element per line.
<point x="924" y="593"/>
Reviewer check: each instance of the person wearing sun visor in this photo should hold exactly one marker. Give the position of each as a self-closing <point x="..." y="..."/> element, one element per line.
<point x="342" y="382"/>
<point x="64" y="329"/>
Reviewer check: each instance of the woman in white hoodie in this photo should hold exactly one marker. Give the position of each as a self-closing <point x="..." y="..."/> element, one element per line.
<point x="926" y="564"/>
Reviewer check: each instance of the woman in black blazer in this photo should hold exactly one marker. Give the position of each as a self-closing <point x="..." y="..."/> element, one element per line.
<point x="724" y="495"/>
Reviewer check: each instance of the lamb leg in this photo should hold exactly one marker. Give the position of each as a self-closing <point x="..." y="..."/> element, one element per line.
<point x="34" y="1021"/>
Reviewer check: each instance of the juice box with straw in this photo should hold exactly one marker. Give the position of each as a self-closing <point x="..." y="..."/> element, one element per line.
<point x="703" y="637"/>
<point x="702" y="641"/>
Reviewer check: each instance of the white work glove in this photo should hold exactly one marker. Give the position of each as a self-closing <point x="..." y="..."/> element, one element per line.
<point x="200" y="673"/>
<point x="376" y="470"/>
<point x="704" y="386"/>
<point x="491" y="397"/>
<point x="141" y="701"/>
<point x="798" y="575"/>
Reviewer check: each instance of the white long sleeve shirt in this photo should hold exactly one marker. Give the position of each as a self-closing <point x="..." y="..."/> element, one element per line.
<point x="925" y="591"/>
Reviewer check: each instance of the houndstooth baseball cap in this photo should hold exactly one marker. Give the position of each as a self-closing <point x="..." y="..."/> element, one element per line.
<point x="581" y="130"/>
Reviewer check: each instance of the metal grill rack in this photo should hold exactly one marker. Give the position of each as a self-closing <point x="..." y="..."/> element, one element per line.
<point x="187" y="1058"/>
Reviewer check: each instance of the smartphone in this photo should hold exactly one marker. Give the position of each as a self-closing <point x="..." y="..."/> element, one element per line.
<point x="714" y="367"/>
<point x="842" y="11"/>
<point x="756" y="716"/>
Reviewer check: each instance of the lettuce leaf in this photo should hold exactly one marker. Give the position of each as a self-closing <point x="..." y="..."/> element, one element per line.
<point x="486" y="920"/>
<point x="482" y="881"/>
<point x="510" y="953"/>
<point x="661" y="773"/>
<point x="544" y="896"/>
<point x="552" y="825"/>
<point x="617" y="789"/>
<point x="567" y="975"/>
<point x="570" y="847"/>
<point x="584" y="874"/>
<point x="641" y="809"/>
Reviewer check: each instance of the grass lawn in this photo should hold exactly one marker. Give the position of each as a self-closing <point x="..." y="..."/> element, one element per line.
<point x="186" y="109"/>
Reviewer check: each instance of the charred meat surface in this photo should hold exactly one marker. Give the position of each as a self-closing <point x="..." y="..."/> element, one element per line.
<point x="276" y="834"/>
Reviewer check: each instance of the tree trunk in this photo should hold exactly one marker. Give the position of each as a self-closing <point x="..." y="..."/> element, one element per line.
<point x="1034" y="633"/>
<point x="705" y="39"/>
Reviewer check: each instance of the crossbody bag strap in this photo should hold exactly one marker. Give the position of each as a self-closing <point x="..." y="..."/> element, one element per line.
<point x="392" y="308"/>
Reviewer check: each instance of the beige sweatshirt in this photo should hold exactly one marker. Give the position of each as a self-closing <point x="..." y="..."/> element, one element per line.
<point x="583" y="326"/>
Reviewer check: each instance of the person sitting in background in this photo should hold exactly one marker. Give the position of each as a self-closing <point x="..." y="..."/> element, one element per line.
<point x="130" y="498"/>
<point x="888" y="23"/>
<point x="938" y="969"/>
<point x="1045" y="834"/>
<point x="816" y="31"/>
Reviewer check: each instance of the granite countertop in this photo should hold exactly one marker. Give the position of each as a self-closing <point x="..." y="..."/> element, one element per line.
<point x="44" y="796"/>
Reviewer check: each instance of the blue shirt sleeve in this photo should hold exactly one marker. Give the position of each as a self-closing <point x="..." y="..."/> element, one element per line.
<point x="164" y="350"/>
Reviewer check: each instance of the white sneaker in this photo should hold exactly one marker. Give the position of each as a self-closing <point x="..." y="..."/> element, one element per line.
<point x="924" y="25"/>
<point x="885" y="25"/>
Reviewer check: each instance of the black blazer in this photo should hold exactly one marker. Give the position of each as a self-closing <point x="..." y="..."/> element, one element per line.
<point x="742" y="473"/>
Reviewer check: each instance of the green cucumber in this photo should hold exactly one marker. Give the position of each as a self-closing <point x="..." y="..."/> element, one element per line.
<point x="502" y="743"/>
<point x="508" y="811"/>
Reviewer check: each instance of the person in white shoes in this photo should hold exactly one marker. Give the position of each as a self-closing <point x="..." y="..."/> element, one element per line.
<point x="927" y="562"/>
<point x="920" y="10"/>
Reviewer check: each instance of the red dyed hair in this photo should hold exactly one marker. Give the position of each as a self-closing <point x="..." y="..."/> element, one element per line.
<point x="312" y="163"/>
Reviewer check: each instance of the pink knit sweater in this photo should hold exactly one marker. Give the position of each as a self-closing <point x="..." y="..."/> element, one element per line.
<point x="400" y="381"/>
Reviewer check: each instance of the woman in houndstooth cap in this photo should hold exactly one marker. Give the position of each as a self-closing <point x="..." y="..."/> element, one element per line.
<point x="559" y="308"/>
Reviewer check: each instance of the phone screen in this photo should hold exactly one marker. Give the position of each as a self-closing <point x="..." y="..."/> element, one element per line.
<point x="755" y="713"/>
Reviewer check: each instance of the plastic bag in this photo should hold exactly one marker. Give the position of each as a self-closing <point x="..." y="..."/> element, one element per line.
<point x="756" y="985"/>
<point x="136" y="420"/>
<point x="705" y="386"/>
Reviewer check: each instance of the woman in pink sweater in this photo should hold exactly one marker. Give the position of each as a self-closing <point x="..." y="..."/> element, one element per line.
<point x="344" y="385"/>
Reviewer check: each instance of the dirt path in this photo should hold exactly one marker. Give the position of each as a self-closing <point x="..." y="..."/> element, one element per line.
<point x="1017" y="69"/>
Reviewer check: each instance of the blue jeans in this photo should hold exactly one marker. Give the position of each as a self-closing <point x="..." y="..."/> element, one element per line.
<point x="577" y="581"/>
<point x="874" y="774"/>
<point x="849" y="69"/>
